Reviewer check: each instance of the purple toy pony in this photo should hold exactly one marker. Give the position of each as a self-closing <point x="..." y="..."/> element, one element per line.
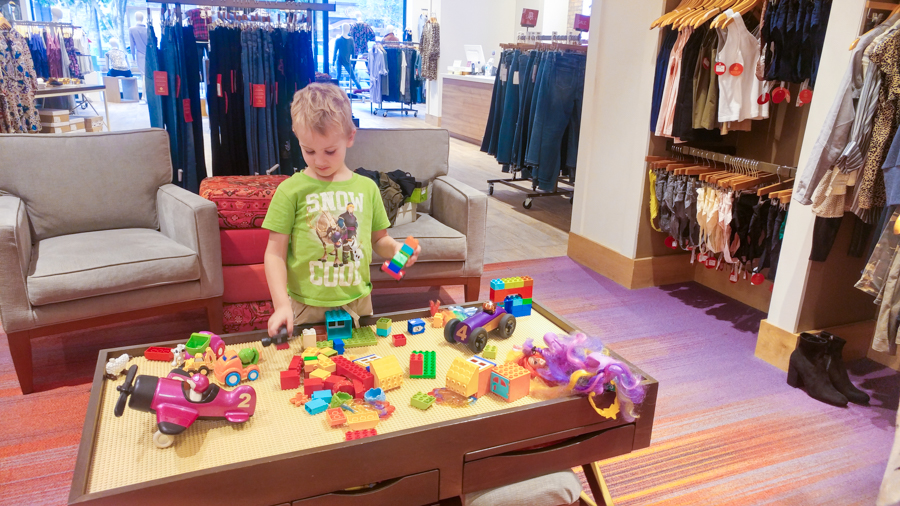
<point x="579" y="364"/>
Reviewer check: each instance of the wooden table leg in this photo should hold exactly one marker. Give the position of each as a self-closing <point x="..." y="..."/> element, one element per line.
<point x="597" y="483"/>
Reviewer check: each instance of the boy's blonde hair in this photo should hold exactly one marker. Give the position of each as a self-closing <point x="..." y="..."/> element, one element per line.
<point x="320" y="107"/>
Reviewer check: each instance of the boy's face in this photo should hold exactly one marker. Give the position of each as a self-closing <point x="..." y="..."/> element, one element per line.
<point x="324" y="154"/>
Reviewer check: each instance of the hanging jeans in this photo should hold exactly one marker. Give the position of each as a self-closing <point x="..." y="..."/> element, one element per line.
<point x="247" y="47"/>
<point x="192" y="75"/>
<point x="511" y="108"/>
<point x="269" y="80"/>
<point x="154" y="101"/>
<point x="170" y="113"/>
<point x="489" y="128"/>
<point x="558" y="107"/>
<point x="525" y="94"/>
<point x="505" y="61"/>
<point x="189" y="179"/>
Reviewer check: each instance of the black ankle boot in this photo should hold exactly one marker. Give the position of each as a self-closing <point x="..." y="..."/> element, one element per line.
<point x="838" y="373"/>
<point x="808" y="369"/>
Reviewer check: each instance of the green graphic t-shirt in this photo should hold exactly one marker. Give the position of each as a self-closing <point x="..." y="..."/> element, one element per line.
<point x="331" y="225"/>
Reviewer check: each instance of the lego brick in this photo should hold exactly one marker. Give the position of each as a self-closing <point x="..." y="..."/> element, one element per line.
<point x="345" y="386"/>
<point x="325" y="395"/>
<point x="382" y="332"/>
<point x="283" y="346"/>
<point x="354" y="371"/>
<point x="310" y="366"/>
<point x="510" y="381"/>
<point x="399" y="339"/>
<point x="412" y="242"/>
<point x="315" y="406"/>
<point x="290" y="380"/>
<point x="489" y="351"/>
<point x="429" y="367"/>
<point x="328" y="352"/>
<point x="333" y="380"/>
<point x="320" y="373"/>
<point x="497" y="284"/>
<point x="416" y="364"/>
<point x="335" y="417"/>
<point x="312" y="385"/>
<point x="387" y="270"/>
<point x="462" y="377"/>
<point x="299" y="399"/>
<point x="325" y="345"/>
<point x="359" y="434"/>
<point x="520" y="311"/>
<point x="338" y="345"/>
<point x="362" y="420"/>
<point x="528" y="281"/>
<point x="415" y="326"/>
<point x="387" y="372"/>
<point x="526" y="301"/>
<point x="359" y="390"/>
<point x="485" y="368"/>
<point x="366" y="360"/>
<point x="405" y="249"/>
<point x="434" y="307"/>
<point x="296" y="363"/>
<point x="437" y="321"/>
<point x="361" y="337"/>
<point x="308" y="338"/>
<point x="384" y="323"/>
<point x="339" y="398"/>
<point x="325" y="363"/>
<point x="421" y="401"/>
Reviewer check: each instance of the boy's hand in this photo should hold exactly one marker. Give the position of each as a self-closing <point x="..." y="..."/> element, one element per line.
<point x="283" y="316"/>
<point x="413" y="258"/>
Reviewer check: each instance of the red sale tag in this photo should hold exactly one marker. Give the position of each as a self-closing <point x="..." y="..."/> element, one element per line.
<point x="711" y="263"/>
<point x="762" y="99"/>
<point x="259" y="95"/>
<point x="161" y="83"/>
<point x="529" y="17"/>
<point x="757" y="279"/>
<point x="780" y="94"/>
<point x="705" y="62"/>
<point x="702" y="257"/>
<point x="671" y="243"/>
<point x="720" y="68"/>
<point x="736" y="69"/>
<point x="219" y="84"/>
<point x="733" y="277"/>
<point x="582" y="23"/>
<point x="187" y="111"/>
<point x="805" y="96"/>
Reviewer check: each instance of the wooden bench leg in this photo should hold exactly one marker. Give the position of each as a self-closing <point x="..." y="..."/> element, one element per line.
<point x="20" y="349"/>
<point x="473" y="289"/>
<point x="597" y="483"/>
<point x="215" y="315"/>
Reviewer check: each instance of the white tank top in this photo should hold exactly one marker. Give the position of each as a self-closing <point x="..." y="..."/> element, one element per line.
<point x="739" y="88"/>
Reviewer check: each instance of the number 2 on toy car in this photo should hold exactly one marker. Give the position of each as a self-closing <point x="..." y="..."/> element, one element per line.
<point x="245" y="401"/>
<point x="461" y="333"/>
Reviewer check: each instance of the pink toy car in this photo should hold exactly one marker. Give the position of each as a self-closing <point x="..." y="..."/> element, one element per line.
<point x="179" y="400"/>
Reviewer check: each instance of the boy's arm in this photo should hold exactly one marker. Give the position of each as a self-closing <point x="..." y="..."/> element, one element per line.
<point x="276" y="276"/>
<point x="387" y="247"/>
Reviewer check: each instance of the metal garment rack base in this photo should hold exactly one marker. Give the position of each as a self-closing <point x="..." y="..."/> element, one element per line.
<point x="531" y="195"/>
<point x="384" y="110"/>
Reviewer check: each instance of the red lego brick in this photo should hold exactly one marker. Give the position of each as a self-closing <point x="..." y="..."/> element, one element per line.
<point x="333" y="380"/>
<point x="283" y="346"/>
<point x="311" y="385"/>
<point x="359" y="390"/>
<point x="499" y="295"/>
<point x="290" y="380"/>
<point x="353" y="371"/>
<point x="296" y="364"/>
<point x="399" y="339"/>
<point x="359" y="434"/>
<point x="344" y="386"/>
<point x="416" y="364"/>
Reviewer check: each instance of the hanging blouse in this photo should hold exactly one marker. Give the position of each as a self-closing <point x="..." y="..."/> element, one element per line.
<point x="18" y="82"/>
<point x="117" y="60"/>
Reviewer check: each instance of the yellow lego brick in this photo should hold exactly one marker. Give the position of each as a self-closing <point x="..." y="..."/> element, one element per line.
<point x="514" y="282"/>
<point x="326" y="364"/>
<point x="311" y="352"/>
<point x="363" y="420"/>
<point x="462" y="377"/>
<point x="320" y="373"/>
<point x="387" y="372"/>
<point x="310" y="365"/>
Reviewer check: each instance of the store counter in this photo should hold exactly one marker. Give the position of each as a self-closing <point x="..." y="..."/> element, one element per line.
<point x="465" y="104"/>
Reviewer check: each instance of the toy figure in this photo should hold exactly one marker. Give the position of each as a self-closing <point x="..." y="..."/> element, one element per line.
<point x="115" y="366"/>
<point x="178" y="355"/>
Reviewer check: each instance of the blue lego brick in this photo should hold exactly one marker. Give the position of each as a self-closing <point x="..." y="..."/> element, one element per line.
<point x="325" y="395"/>
<point x="316" y="406"/>
<point x="497" y="284"/>
<point x="337" y="315"/>
<point x="415" y="326"/>
<point x="394" y="267"/>
<point x="405" y="249"/>
<point x="519" y="311"/>
<point x="382" y="332"/>
<point x="338" y="345"/>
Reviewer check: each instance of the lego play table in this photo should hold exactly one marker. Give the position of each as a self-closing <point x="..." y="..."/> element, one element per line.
<point x="283" y="455"/>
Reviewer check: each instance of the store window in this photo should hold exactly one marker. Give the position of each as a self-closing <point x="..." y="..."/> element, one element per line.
<point x="382" y="16"/>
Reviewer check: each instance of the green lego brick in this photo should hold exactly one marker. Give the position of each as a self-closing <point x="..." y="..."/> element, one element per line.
<point x="339" y="398"/>
<point x="361" y="337"/>
<point x="526" y="301"/>
<point x="308" y="358"/>
<point x="489" y="351"/>
<point x="429" y="371"/>
<point x="328" y="352"/>
<point x="327" y="344"/>
<point x="384" y="323"/>
<point x="421" y="401"/>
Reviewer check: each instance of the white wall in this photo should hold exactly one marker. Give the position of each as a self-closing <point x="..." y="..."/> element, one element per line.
<point x="793" y="264"/>
<point x="615" y="123"/>
<point x="556" y="16"/>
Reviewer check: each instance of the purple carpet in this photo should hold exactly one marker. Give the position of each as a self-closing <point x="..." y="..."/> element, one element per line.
<point x="728" y="430"/>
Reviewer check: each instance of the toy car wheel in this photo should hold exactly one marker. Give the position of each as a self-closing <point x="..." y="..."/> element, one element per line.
<point x="162" y="440"/>
<point x="253" y="375"/>
<point x="450" y="330"/>
<point x="507" y="325"/>
<point x="478" y="339"/>
<point x="204" y="370"/>
<point x="220" y="349"/>
<point x="232" y="379"/>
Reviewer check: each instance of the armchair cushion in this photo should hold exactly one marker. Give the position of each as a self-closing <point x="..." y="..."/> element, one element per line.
<point x="72" y="183"/>
<point x="439" y="242"/>
<point x="78" y="266"/>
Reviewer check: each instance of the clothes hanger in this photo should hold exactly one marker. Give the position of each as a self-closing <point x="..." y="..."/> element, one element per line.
<point x="742" y="9"/>
<point x="678" y="10"/>
<point x="856" y="40"/>
<point x="787" y="183"/>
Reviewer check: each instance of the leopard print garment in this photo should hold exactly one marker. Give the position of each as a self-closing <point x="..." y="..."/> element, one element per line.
<point x="887" y="57"/>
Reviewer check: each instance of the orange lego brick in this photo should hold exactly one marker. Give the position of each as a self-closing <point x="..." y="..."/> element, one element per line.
<point x="335" y="417"/>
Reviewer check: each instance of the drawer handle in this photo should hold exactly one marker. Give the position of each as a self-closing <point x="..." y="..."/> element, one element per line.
<point x="368" y="490"/>
<point x="556" y="446"/>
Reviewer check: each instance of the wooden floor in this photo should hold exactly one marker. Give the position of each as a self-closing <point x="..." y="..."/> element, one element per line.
<point x="513" y="233"/>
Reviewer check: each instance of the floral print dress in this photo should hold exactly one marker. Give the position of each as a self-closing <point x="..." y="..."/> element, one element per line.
<point x="18" y="82"/>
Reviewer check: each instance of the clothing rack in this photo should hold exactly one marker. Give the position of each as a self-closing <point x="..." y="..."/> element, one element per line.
<point x="754" y="165"/>
<point x="533" y="194"/>
<point x="256" y="4"/>
<point x="47" y="24"/>
<point x="384" y="110"/>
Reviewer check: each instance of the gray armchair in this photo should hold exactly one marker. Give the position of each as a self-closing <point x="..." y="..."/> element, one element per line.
<point x="92" y="232"/>
<point x="450" y="226"/>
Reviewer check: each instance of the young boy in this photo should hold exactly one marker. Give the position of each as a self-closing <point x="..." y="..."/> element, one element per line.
<point x="324" y="222"/>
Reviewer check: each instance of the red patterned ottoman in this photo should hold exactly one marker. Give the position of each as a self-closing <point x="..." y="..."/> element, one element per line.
<point x="245" y="283"/>
<point x="247" y="316"/>
<point x="242" y="201"/>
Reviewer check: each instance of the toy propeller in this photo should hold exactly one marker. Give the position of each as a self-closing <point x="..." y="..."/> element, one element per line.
<point x="280" y="337"/>
<point x="126" y="388"/>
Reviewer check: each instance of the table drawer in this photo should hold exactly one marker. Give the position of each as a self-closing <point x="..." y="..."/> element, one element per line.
<point x="412" y="490"/>
<point x="518" y="465"/>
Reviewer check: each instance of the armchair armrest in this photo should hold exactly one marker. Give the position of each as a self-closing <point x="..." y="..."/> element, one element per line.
<point x="464" y="209"/>
<point x="192" y="221"/>
<point x="15" y="260"/>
